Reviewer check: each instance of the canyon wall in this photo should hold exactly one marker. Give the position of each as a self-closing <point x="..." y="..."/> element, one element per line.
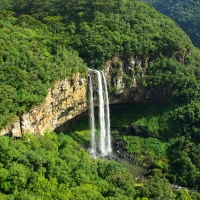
<point x="68" y="98"/>
<point x="125" y="77"/>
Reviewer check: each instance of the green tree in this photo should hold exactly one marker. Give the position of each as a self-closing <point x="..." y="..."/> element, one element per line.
<point x="183" y="194"/>
<point x="156" y="188"/>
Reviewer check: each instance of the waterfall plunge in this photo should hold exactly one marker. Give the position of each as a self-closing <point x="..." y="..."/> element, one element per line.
<point x="104" y="146"/>
<point x="107" y="116"/>
<point x="92" y="124"/>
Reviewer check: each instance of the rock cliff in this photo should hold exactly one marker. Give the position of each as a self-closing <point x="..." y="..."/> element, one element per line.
<point x="124" y="79"/>
<point x="68" y="98"/>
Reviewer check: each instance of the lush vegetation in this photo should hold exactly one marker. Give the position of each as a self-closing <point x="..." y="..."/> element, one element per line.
<point x="56" y="167"/>
<point x="36" y="53"/>
<point x="31" y="60"/>
<point x="185" y="13"/>
<point x="43" y="41"/>
<point x="166" y="140"/>
<point x="100" y="30"/>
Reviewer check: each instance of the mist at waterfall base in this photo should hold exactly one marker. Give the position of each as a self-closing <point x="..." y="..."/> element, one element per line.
<point x="100" y="140"/>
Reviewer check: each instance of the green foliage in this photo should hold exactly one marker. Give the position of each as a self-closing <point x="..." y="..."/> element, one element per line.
<point x="183" y="195"/>
<point x="127" y="80"/>
<point x="184" y="162"/>
<point x="157" y="188"/>
<point x="37" y="54"/>
<point x="155" y="120"/>
<point x="31" y="60"/>
<point x="146" y="151"/>
<point x="175" y="151"/>
<point x="99" y="30"/>
<point x="112" y="90"/>
<point x="185" y="13"/>
<point x="171" y="75"/>
<point x="56" y="167"/>
<point x="119" y="30"/>
<point x="34" y="55"/>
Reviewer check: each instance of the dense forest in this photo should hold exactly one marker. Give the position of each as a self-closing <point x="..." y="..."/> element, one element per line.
<point x="43" y="41"/>
<point x="55" y="167"/>
<point x="186" y="13"/>
<point x="32" y="59"/>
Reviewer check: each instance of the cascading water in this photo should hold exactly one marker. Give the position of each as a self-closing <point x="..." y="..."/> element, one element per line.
<point x="92" y="123"/>
<point x="101" y="115"/>
<point x="107" y="117"/>
<point x="104" y="145"/>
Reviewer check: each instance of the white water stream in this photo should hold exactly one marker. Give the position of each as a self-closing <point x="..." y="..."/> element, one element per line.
<point x="100" y="146"/>
<point x="107" y="117"/>
<point x="92" y="122"/>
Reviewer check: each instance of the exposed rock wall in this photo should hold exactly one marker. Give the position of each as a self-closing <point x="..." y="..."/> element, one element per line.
<point x="66" y="100"/>
<point x="14" y="129"/>
<point x="124" y="77"/>
<point x="69" y="97"/>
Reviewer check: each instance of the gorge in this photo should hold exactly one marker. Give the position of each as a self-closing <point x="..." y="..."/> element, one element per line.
<point x="68" y="98"/>
<point x="152" y="73"/>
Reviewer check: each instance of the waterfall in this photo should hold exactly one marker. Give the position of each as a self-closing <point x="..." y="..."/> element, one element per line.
<point x="101" y="115"/>
<point x="104" y="144"/>
<point x="107" y="116"/>
<point x="92" y="123"/>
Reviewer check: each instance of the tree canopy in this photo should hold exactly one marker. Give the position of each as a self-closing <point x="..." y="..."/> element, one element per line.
<point x="32" y="58"/>
<point x="186" y="13"/>
<point x="43" y="41"/>
<point x="56" y="167"/>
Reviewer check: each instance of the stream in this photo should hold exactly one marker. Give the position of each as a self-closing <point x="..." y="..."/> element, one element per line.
<point x="135" y="170"/>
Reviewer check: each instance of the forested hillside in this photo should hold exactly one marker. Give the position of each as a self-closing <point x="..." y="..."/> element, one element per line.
<point x="42" y="51"/>
<point x="55" y="167"/>
<point x="32" y="58"/>
<point x="186" y="13"/>
<point x="43" y="41"/>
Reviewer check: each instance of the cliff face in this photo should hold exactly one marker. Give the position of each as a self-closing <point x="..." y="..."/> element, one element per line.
<point x="124" y="78"/>
<point x="68" y="98"/>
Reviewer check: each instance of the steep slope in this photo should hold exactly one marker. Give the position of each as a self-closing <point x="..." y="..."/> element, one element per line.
<point x="101" y="30"/>
<point x="139" y="49"/>
<point x="186" y="13"/>
<point x="31" y="60"/>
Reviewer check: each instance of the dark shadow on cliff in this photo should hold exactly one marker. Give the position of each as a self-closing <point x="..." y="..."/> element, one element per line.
<point x="78" y="128"/>
<point x="146" y="120"/>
